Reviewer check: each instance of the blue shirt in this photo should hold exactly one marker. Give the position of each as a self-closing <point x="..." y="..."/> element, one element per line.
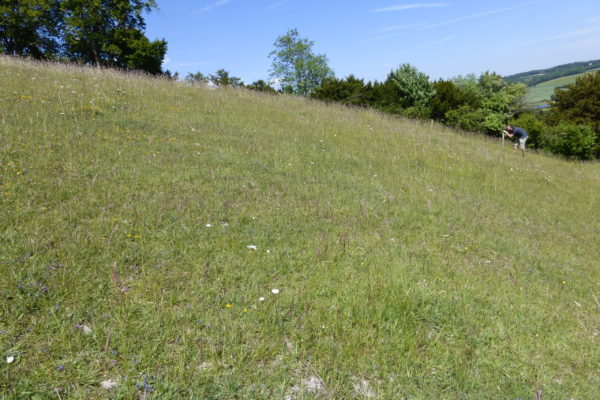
<point x="519" y="132"/>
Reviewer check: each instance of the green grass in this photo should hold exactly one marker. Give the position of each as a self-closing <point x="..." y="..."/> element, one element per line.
<point x="541" y="93"/>
<point x="412" y="261"/>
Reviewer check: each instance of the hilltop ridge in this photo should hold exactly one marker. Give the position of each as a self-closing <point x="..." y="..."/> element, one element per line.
<point x="535" y="77"/>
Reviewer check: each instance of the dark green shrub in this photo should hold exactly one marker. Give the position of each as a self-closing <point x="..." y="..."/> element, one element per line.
<point x="570" y="140"/>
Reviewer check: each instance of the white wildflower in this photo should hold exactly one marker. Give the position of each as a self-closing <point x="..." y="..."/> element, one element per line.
<point x="275" y="291"/>
<point x="109" y="384"/>
<point x="251" y="247"/>
<point x="10" y="359"/>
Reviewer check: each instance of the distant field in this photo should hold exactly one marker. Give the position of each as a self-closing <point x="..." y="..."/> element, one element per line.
<point x="165" y="241"/>
<point x="541" y="93"/>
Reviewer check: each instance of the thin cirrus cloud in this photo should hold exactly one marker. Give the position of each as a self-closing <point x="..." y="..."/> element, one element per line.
<point x="564" y="35"/>
<point x="272" y="6"/>
<point x="478" y="15"/>
<point x="437" y="42"/>
<point x="218" y="3"/>
<point x="413" y="6"/>
<point x="394" y="32"/>
<point x="399" y="27"/>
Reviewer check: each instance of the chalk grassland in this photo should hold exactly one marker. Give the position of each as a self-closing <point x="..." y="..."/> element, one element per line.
<point x="542" y="92"/>
<point x="144" y="225"/>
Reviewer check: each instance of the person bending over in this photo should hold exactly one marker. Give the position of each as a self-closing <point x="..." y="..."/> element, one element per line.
<point x="519" y="134"/>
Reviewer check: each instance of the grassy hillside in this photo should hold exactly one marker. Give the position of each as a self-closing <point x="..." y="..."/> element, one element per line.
<point x="180" y="242"/>
<point x="542" y="92"/>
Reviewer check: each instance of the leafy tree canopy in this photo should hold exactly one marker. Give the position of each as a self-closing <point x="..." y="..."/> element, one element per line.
<point x="261" y="86"/>
<point x="30" y="27"/>
<point x="109" y="32"/>
<point x="222" y="78"/>
<point x="491" y="103"/>
<point x="99" y="32"/>
<point x="415" y="88"/>
<point x="349" y="91"/>
<point x="297" y="69"/>
<point x="579" y="102"/>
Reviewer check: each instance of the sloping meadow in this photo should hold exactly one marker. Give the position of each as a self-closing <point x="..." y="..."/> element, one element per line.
<point x="159" y="240"/>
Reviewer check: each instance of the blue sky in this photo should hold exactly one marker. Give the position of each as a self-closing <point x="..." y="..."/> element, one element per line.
<point x="369" y="38"/>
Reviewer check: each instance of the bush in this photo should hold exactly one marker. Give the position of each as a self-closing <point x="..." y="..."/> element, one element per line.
<point x="417" y="112"/>
<point x="449" y="96"/>
<point x="570" y="140"/>
<point x="466" y="118"/>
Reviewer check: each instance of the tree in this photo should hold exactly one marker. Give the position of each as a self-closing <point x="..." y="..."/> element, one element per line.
<point x="491" y="103"/>
<point x="415" y="88"/>
<point x="134" y="51"/>
<point x="261" y="86"/>
<point x="579" y="102"/>
<point x="387" y="96"/>
<point x="297" y="69"/>
<point x="222" y="78"/>
<point x="350" y="91"/>
<point x="198" y="77"/>
<point x="30" y="28"/>
<point x="449" y="96"/>
<point x="110" y="32"/>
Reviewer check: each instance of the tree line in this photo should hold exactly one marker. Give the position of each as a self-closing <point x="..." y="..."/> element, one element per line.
<point x="111" y="33"/>
<point x="98" y="32"/>
<point x="484" y="103"/>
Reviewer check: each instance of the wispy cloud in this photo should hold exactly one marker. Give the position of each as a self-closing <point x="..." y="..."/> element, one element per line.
<point x="399" y="27"/>
<point x="443" y="40"/>
<point x="473" y="16"/>
<point x="391" y="35"/>
<point x="218" y="3"/>
<point x="413" y="6"/>
<point x="272" y="6"/>
<point x="565" y="35"/>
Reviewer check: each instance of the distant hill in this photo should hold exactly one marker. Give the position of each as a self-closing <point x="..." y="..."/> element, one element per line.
<point x="535" y="77"/>
<point x="538" y="96"/>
